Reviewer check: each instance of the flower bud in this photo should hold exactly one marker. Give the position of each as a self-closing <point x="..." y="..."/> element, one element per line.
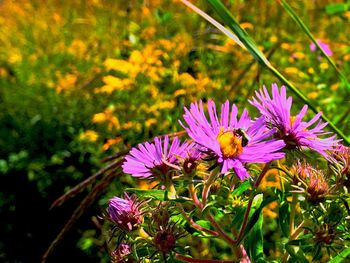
<point x="317" y="187"/>
<point x="164" y="241"/>
<point x="121" y="253"/>
<point x="341" y="163"/>
<point x="161" y="216"/>
<point x="125" y="213"/>
<point x="191" y="161"/>
<point x="325" y="234"/>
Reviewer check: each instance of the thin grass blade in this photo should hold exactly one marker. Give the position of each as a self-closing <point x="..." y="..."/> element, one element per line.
<point x="214" y="23"/>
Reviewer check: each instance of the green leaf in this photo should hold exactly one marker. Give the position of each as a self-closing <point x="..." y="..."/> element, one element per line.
<point x="240" y="189"/>
<point x="342" y="256"/>
<point x="204" y="223"/>
<point x="283" y="218"/>
<point x="336" y="8"/>
<point x="254" y="241"/>
<point x="294" y="248"/>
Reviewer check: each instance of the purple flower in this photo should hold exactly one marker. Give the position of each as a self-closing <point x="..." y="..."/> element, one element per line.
<point x="323" y="45"/>
<point x="231" y="141"/>
<point x="122" y="251"/>
<point x="150" y="160"/>
<point x="125" y="213"/>
<point x="191" y="159"/>
<point x="295" y="132"/>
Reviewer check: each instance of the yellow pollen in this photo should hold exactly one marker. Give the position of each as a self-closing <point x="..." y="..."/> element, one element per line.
<point x="230" y="144"/>
<point x="292" y="120"/>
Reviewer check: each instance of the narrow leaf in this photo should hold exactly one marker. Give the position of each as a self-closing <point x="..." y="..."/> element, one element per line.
<point x="341" y="257"/>
<point x="214" y="23"/>
<point x="240" y="189"/>
<point x="254" y="241"/>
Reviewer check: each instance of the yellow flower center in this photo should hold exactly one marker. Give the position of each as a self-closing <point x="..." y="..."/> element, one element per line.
<point x="230" y="144"/>
<point x="292" y="120"/>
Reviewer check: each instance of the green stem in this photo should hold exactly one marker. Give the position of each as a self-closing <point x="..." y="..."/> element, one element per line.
<point x="247" y="211"/>
<point x="292" y="213"/>
<point x="206" y="188"/>
<point x="220" y="231"/>
<point x="188" y="259"/>
<point x="194" y="224"/>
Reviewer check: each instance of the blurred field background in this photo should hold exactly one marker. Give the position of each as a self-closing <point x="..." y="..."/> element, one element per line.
<point x="81" y="80"/>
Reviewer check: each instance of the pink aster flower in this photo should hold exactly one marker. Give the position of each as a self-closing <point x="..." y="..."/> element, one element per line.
<point x="296" y="133"/>
<point x="125" y="213"/>
<point x="323" y="45"/>
<point x="151" y="160"/>
<point x="231" y="141"/>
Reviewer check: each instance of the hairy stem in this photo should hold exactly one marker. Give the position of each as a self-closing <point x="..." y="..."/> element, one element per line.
<point x="188" y="259"/>
<point x="206" y="188"/>
<point x="194" y="224"/>
<point x="194" y="196"/>
<point x="292" y="214"/>
<point x="220" y="231"/>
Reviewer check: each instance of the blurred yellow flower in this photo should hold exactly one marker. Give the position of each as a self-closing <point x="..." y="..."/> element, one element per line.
<point x="186" y="79"/>
<point x="313" y="95"/>
<point x="3" y="72"/>
<point x="77" y="48"/>
<point x="335" y="86"/>
<point x="311" y="71"/>
<point x="291" y="70"/>
<point x="148" y="32"/>
<point x="285" y="46"/>
<point x="132" y="125"/>
<point x="89" y="135"/>
<point x="271" y="210"/>
<point x="247" y="25"/>
<point x="119" y="65"/>
<point x="299" y="55"/>
<point x="114" y="84"/>
<point x="150" y="122"/>
<point x="107" y="117"/>
<point x="111" y="142"/>
<point x="273" y="39"/>
<point x="179" y="92"/>
<point x="136" y="57"/>
<point x="14" y="58"/>
<point x="324" y="66"/>
<point x="66" y="83"/>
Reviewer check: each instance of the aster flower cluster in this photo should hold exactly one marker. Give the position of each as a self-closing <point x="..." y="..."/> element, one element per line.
<point x="232" y="140"/>
<point x="202" y="183"/>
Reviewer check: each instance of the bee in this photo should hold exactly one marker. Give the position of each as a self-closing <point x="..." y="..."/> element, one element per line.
<point x="244" y="136"/>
